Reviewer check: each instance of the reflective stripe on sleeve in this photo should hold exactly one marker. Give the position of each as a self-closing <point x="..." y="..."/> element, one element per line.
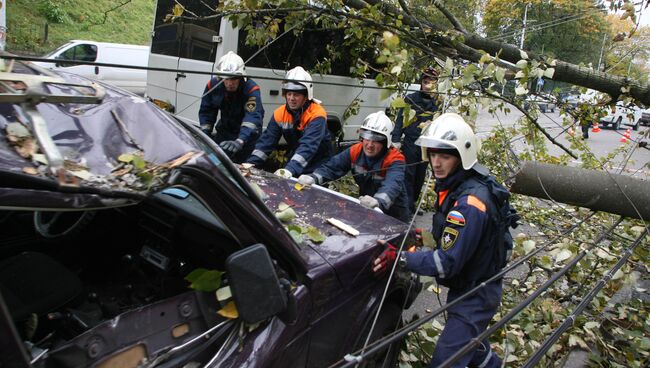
<point x="438" y="262"/>
<point x="259" y="154"/>
<point x="318" y="177"/>
<point x="385" y="199"/>
<point x="249" y="125"/>
<point x="301" y="160"/>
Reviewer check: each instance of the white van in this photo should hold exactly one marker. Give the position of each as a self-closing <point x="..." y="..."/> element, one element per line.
<point x="620" y="114"/>
<point x="196" y="45"/>
<point x="134" y="80"/>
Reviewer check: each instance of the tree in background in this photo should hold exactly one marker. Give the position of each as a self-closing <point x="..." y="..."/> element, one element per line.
<point x="563" y="29"/>
<point x="627" y="49"/>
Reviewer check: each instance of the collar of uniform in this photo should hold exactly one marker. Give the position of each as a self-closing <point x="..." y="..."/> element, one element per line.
<point x="299" y="111"/>
<point x="453" y="180"/>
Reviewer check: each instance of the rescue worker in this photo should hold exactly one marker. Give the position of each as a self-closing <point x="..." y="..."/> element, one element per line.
<point x="424" y="104"/>
<point x="240" y="102"/>
<point x="302" y="121"/>
<point x="470" y="233"/>
<point x="377" y="167"/>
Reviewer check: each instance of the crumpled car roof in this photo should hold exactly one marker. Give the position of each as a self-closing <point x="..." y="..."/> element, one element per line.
<point x="92" y="138"/>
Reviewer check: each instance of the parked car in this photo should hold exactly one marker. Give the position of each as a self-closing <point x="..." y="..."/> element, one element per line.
<point x="620" y="114"/>
<point x="134" y="80"/>
<point x="117" y="227"/>
<point x="545" y="103"/>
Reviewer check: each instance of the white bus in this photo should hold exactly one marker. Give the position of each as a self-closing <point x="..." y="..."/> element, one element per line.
<point x="189" y="45"/>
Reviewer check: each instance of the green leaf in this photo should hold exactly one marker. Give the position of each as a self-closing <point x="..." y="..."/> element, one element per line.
<point x="523" y="54"/>
<point x="285" y="213"/>
<point x="528" y="246"/>
<point x="385" y="93"/>
<point x="485" y="58"/>
<point x="210" y="280"/>
<point x="296" y="235"/>
<point x="315" y="235"/>
<point x="521" y="64"/>
<point x="145" y="177"/>
<point x="398" y="103"/>
<point x="138" y="162"/>
<point x="548" y="73"/>
<point x="125" y="157"/>
<point x="563" y="255"/>
<point x="500" y="74"/>
<point x="194" y="275"/>
<point x="449" y="66"/>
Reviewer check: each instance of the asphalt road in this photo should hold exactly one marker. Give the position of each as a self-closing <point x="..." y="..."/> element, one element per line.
<point x="600" y="144"/>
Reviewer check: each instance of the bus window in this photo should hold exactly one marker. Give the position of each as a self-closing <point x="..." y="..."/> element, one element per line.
<point x="306" y="50"/>
<point x="186" y="38"/>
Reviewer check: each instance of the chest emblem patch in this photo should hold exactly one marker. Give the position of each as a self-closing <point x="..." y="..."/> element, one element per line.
<point x="456" y="218"/>
<point x="449" y="237"/>
<point x="251" y="104"/>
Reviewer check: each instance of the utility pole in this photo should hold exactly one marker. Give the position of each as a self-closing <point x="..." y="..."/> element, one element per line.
<point x="602" y="48"/>
<point x="523" y="31"/>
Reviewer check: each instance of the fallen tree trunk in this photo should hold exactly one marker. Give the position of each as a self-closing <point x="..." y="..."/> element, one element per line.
<point x="596" y="190"/>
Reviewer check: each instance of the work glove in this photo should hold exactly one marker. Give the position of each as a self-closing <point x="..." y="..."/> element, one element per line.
<point x="283" y="173"/>
<point x="368" y="202"/>
<point x="385" y="260"/>
<point x="306" y="180"/>
<point x="232" y="147"/>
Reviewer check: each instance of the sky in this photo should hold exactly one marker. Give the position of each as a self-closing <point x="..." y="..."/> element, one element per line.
<point x="645" y="17"/>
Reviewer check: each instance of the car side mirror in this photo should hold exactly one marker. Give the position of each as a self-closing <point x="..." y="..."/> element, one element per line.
<point x="254" y="283"/>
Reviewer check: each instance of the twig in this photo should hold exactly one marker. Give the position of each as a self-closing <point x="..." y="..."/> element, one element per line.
<point x="108" y="11"/>
<point x="124" y="130"/>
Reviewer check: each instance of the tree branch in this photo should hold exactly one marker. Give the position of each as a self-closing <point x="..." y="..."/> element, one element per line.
<point x="108" y="11"/>
<point x="452" y="19"/>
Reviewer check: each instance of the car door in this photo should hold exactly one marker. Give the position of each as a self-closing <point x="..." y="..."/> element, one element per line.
<point x="78" y="52"/>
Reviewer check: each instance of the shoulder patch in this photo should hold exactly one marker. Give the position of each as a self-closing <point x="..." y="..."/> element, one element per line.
<point x="456" y="218"/>
<point x="449" y="237"/>
<point x="251" y="104"/>
<point x="474" y="201"/>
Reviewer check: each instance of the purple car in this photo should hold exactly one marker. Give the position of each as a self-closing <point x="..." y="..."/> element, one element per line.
<point x="127" y="238"/>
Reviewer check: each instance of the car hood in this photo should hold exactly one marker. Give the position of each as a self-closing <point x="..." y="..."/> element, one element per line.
<point x="313" y="207"/>
<point x="98" y="143"/>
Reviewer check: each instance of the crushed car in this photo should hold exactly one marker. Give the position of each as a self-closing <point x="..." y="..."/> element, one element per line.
<point x="129" y="239"/>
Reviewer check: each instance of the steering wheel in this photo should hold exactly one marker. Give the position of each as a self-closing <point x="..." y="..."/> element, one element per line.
<point x="56" y="224"/>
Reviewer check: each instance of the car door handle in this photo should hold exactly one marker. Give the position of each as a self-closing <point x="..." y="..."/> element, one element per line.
<point x="96" y="70"/>
<point x="180" y="75"/>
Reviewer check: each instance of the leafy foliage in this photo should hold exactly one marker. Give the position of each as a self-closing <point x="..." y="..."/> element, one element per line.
<point x="80" y="19"/>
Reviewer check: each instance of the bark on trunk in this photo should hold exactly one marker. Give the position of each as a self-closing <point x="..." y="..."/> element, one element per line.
<point x="596" y="190"/>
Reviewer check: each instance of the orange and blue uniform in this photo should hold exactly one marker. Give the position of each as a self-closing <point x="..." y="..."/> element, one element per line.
<point x="306" y="134"/>
<point x="467" y="237"/>
<point x="241" y="117"/>
<point x="381" y="177"/>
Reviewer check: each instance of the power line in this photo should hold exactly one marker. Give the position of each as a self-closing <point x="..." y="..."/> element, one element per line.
<point x="548" y="24"/>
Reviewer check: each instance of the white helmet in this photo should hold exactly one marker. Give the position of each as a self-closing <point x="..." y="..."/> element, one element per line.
<point x="297" y="79"/>
<point x="377" y="127"/>
<point x="231" y="63"/>
<point x="450" y="131"/>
